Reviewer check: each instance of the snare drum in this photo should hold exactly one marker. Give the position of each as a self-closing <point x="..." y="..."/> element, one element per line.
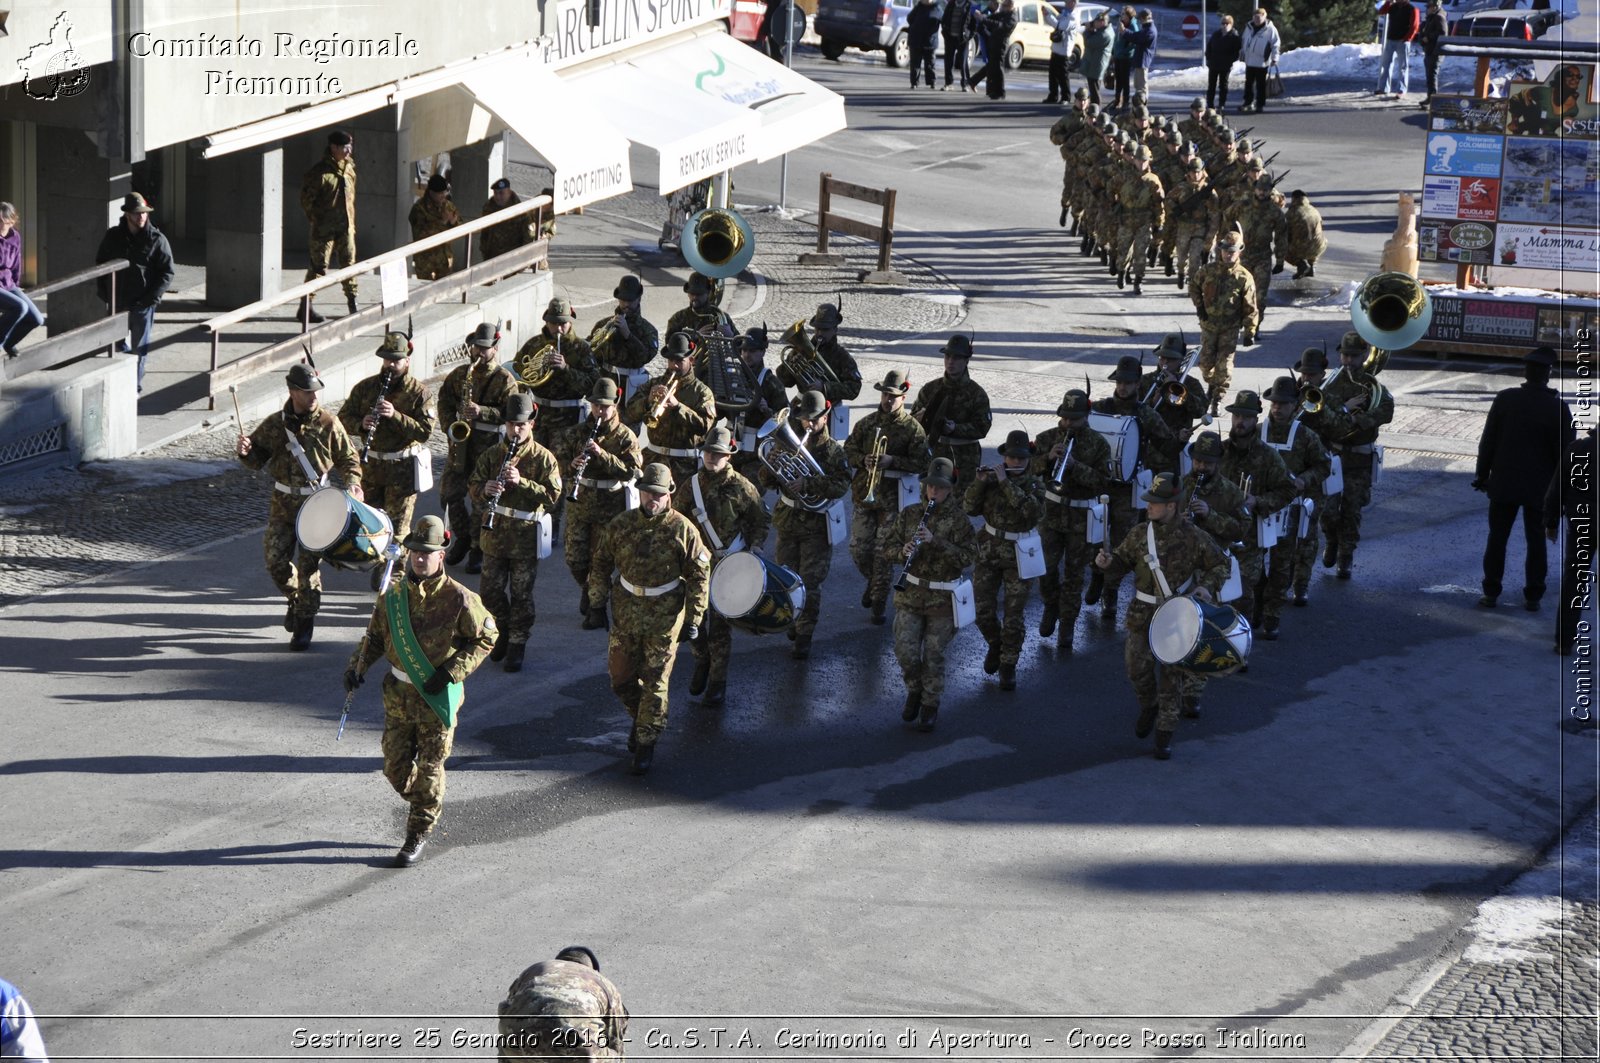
<point x="346" y="532"/>
<point x="1122" y="433"/>
<point x="756" y="595"/>
<point x="1200" y="637"/>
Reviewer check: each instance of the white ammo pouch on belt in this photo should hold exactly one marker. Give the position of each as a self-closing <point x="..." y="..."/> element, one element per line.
<point x="546" y="533"/>
<point x="908" y="487"/>
<point x="1095" y="526"/>
<point x="962" y="603"/>
<point x="1377" y="464"/>
<point x="1334" y="483"/>
<point x="838" y="523"/>
<point x="1272" y="528"/>
<point x="839" y="421"/>
<point x="1141" y="483"/>
<point x="1303" y="508"/>
<point x="1030" y="551"/>
<point x="421" y="469"/>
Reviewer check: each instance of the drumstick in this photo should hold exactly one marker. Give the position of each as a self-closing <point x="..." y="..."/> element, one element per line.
<point x="238" y="418"/>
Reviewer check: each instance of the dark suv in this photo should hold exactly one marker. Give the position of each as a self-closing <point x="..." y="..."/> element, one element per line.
<point x="871" y="25"/>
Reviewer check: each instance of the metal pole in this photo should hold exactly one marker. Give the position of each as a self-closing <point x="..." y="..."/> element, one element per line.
<point x="788" y="61"/>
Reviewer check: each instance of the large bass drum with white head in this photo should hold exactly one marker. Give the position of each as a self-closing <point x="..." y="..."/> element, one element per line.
<point x="756" y="595"/>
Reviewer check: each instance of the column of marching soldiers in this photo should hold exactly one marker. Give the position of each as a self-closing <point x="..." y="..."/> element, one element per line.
<point x="654" y="518"/>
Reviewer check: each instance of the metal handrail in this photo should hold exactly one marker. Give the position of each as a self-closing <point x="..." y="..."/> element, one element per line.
<point x="113" y="266"/>
<point x="66" y="347"/>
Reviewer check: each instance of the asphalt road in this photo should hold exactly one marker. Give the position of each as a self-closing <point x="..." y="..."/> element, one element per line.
<point x="189" y="840"/>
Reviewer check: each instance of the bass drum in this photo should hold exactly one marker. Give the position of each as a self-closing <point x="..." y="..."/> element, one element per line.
<point x="347" y="533"/>
<point x="756" y="595"/>
<point x="1122" y="433"/>
<point x="1200" y="637"/>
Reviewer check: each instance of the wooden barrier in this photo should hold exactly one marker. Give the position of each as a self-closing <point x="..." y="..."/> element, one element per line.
<point x="827" y="221"/>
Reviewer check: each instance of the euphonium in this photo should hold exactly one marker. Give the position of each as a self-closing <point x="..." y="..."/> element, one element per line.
<point x="800" y="355"/>
<point x="786" y="457"/>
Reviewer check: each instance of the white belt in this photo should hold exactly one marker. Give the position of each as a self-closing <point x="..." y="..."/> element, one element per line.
<point x="604" y="485"/>
<point x="1154" y="600"/>
<point x="932" y="586"/>
<point x="786" y="500"/>
<point x="1075" y="503"/>
<point x="1344" y="448"/>
<point x="516" y="514"/>
<point x="286" y="489"/>
<point x="395" y="455"/>
<point x="648" y="592"/>
<point x="400" y="674"/>
<point x="485" y="426"/>
<point x="896" y="474"/>
<point x="557" y="403"/>
<point x="997" y="533"/>
<point x="673" y="452"/>
<point x="952" y="441"/>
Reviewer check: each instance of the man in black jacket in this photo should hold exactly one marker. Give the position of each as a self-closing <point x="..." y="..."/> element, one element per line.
<point x="1528" y="430"/>
<point x="142" y="284"/>
<point x="997" y="28"/>
<point x="1222" y="51"/>
<point x="1574" y="493"/>
<point x="954" y="25"/>
<point x="922" y="28"/>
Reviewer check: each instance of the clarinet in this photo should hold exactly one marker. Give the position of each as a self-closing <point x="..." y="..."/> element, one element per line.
<point x="900" y="584"/>
<point x="583" y="458"/>
<point x="383" y="392"/>
<point x="499" y="478"/>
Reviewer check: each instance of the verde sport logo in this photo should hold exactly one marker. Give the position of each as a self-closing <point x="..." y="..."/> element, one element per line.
<point x="737" y="84"/>
<point x="715" y="71"/>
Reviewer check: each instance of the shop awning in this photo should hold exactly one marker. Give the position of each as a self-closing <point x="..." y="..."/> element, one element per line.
<point x="588" y="154"/>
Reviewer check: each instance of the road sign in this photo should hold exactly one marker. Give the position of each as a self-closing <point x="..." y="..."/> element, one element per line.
<point x="1191" y="27"/>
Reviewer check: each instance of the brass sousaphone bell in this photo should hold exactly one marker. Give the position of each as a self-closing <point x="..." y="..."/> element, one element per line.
<point x="1391" y="311"/>
<point x="718" y="243"/>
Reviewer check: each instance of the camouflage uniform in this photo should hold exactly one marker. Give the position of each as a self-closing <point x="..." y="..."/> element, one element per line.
<point x="1266" y="235"/>
<point x="1185" y="554"/>
<point x="430" y="219"/>
<point x="1305" y="241"/>
<point x="966" y="403"/>
<point x="1064" y="526"/>
<point x="746" y="423"/>
<point x="489" y="386"/>
<point x="456" y="633"/>
<point x="602" y="495"/>
<point x="924" y="619"/>
<point x="1065" y="134"/>
<point x="1352" y="437"/>
<point x="388" y="476"/>
<point x="1273" y="487"/>
<point x="1196" y="218"/>
<point x="739" y="520"/>
<point x="558" y="1009"/>
<point x="1141" y="200"/>
<point x="907" y="453"/>
<point x="616" y="353"/>
<point x="803" y="535"/>
<point x="1228" y="523"/>
<point x="1011" y="507"/>
<point x="691" y="320"/>
<point x="837" y="358"/>
<point x="1154" y="438"/>
<point x="675" y="440"/>
<point x="560" y="427"/>
<point x="1304" y="456"/>
<point x="328" y="198"/>
<point x="328" y="449"/>
<point x="1226" y="296"/>
<point x="648" y="551"/>
<point x="507" y="235"/>
<point x="511" y="547"/>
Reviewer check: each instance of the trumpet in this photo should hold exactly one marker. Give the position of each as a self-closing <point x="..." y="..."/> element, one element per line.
<point x="1311" y="399"/>
<point x="660" y="408"/>
<point x="803" y="361"/>
<point x="1058" y="475"/>
<point x="880" y="447"/>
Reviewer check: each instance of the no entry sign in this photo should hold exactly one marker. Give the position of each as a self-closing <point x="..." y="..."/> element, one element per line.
<point x="1191" y="27"/>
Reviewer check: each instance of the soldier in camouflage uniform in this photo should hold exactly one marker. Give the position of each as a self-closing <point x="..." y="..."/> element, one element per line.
<point x="1268" y="487"/>
<point x="934" y="542"/>
<point x="1289" y="566"/>
<point x="803" y="540"/>
<point x="328" y="198"/>
<point x="514" y="484"/>
<point x="770" y="398"/>
<point x="1154" y="437"/>
<point x="625" y="342"/>
<point x="1224" y="297"/>
<point x="560" y="397"/>
<point x="563" y="1009"/>
<point x="663" y="570"/>
<point x="323" y="447"/>
<point x="1215" y="505"/>
<point x="702" y="314"/>
<point x="1265" y="242"/>
<point x="1063" y="528"/>
<point x="687" y="413"/>
<point x="846" y="385"/>
<point x="431" y="215"/>
<point x="1348" y="425"/>
<point x="508" y="235"/>
<point x="1168" y="164"/>
<point x="1180" y="417"/>
<point x="1091" y="150"/>
<point x="454" y="633"/>
<point x="393" y="409"/>
<point x="954" y="412"/>
<point x="905" y="453"/>
<point x="473" y="394"/>
<point x="1195" y="219"/>
<point x="1193" y="127"/>
<point x="728" y="511"/>
<point x="604" y="471"/>
<point x="1009" y="501"/>
<point x="1065" y="134"/>
<point x="1184" y="556"/>
<point x="1143" y="206"/>
<point x="1305" y="243"/>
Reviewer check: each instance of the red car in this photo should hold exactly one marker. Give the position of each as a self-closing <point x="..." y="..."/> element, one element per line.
<point x="744" y="24"/>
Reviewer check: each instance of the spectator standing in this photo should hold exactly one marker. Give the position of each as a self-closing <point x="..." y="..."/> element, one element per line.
<point x="1258" y="47"/>
<point x="1528" y="430"/>
<point x="997" y="28"/>
<point x="1572" y="494"/>
<point x="773" y="36"/>
<point x="957" y="15"/>
<point x="1435" y="28"/>
<point x="922" y="29"/>
<point x="18" y="314"/>
<point x="19" y="1030"/>
<point x="1144" y="48"/>
<point x="1400" y="29"/>
<point x="1099" y="41"/>
<point x="142" y="284"/>
<point x="1222" y="51"/>
<point x="1122" y="58"/>
<point x="1062" y="27"/>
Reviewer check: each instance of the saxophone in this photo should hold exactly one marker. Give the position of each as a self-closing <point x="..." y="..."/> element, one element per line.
<point x="460" y="431"/>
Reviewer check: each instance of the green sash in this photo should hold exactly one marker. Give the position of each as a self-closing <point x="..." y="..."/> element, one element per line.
<point x="398" y="605"/>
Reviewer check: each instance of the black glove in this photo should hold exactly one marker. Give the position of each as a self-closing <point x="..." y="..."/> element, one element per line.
<point x="1247" y="340"/>
<point x="1479" y="485"/>
<point x="438" y="681"/>
<point x="353" y="679"/>
<point x="1201" y="312"/>
<point x="598" y="619"/>
<point x="691" y="632"/>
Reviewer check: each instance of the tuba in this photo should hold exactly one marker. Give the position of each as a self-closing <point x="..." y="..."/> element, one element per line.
<point x="718" y="243"/>
<point x="1391" y="311"/>
<point x="786" y="457"/>
<point x="800" y="357"/>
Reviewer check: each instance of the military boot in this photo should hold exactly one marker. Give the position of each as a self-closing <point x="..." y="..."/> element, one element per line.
<point x="1191" y="707"/>
<point x="1075" y="226"/>
<point x="474" y="561"/>
<point x="991" y="660"/>
<point x="1047" y="622"/>
<point x="1097" y="583"/>
<point x="913" y="705"/>
<point x="1163" y="745"/>
<point x="928" y="715"/>
<point x="642" y="758"/>
<point x="302" y="633"/>
<point x="460" y="543"/>
<point x="1168" y="265"/>
<point x="411" y="851"/>
<point x="1008" y="677"/>
<point x="1311" y="269"/>
<point x="1150" y="259"/>
<point x="514" y="654"/>
<point x="288" y="618"/>
<point x="716" y="693"/>
<point x="1147" y="722"/>
<point x="499" y="651"/>
<point x="878" y="616"/>
<point x="1269" y="629"/>
<point x="802" y="646"/>
<point x="1122" y="278"/>
<point x="583" y="597"/>
<point x="350" y="303"/>
<point x="866" y="597"/>
<point x="1138" y="286"/>
<point x="702" y="675"/>
<point x="1061" y="222"/>
<point x="1330" y="552"/>
<point x="308" y="311"/>
<point x="596" y="620"/>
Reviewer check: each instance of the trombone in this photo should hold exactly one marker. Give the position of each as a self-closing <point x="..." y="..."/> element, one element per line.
<point x="1168" y="389"/>
<point x="880" y="447"/>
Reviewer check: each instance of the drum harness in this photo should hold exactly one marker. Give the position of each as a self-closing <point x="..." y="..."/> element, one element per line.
<point x="299" y="453"/>
<point x="702" y="518"/>
<point x="1154" y="561"/>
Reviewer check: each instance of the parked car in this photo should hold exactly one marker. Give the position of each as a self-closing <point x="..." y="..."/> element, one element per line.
<point x="1035" y="20"/>
<point x="870" y="25"/>
<point x="1519" y="25"/>
<point x="744" y="21"/>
